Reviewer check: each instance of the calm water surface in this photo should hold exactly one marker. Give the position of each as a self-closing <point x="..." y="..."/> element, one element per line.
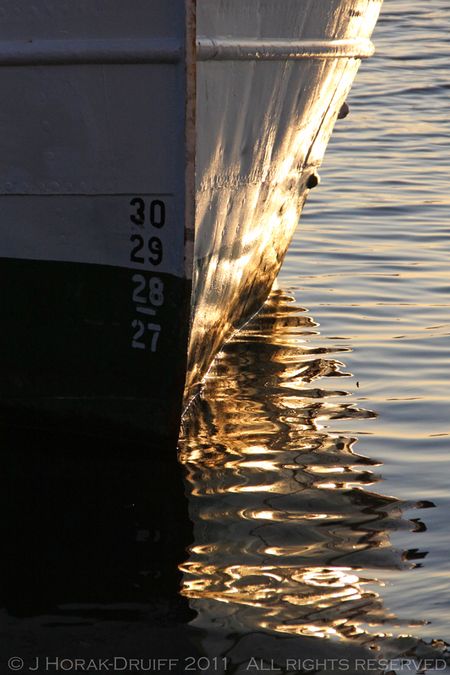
<point x="316" y="462"/>
<point x="371" y="260"/>
<point x="318" y="459"/>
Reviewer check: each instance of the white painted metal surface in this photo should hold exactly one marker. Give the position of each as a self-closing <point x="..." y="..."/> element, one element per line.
<point x="271" y="80"/>
<point x="92" y="117"/>
<point x="94" y="229"/>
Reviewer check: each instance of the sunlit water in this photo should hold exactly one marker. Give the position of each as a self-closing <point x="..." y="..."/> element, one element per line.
<point x="320" y="432"/>
<point x="316" y="462"/>
<point x="371" y="260"/>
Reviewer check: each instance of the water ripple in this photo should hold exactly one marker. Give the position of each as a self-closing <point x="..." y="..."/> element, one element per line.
<point x="290" y="528"/>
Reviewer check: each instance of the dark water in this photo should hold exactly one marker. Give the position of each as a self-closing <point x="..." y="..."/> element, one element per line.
<point x="316" y="463"/>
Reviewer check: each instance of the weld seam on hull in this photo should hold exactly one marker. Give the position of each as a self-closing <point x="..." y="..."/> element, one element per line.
<point x="235" y="181"/>
<point x="270" y="49"/>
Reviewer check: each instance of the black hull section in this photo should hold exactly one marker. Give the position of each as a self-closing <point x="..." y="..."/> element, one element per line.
<point x="72" y="357"/>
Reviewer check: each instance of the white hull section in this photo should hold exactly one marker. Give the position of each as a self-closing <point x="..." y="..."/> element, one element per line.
<point x="269" y="88"/>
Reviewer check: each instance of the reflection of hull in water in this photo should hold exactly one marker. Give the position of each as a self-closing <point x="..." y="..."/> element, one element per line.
<point x="92" y="538"/>
<point x="288" y="532"/>
<point x="110" y="243"/>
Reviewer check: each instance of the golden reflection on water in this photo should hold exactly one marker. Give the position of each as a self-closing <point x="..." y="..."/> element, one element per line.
<point x="288" y="531"/>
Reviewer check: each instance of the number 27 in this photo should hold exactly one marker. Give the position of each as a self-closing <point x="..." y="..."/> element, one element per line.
<point x="139" y="328"/>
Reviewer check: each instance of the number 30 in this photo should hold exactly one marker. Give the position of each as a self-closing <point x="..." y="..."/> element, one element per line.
<point x="157" y="212"/>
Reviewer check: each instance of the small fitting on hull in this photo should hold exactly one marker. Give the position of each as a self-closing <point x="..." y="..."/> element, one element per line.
<point x="344" y="111"/>
<point x="313" y="181"/>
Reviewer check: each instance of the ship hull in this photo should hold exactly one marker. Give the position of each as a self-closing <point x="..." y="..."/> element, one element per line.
<point x="67" y="360"/>
<point x="267" y="103"/>
<point x="96" y="197"/>
<point x="151" y="178"/>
